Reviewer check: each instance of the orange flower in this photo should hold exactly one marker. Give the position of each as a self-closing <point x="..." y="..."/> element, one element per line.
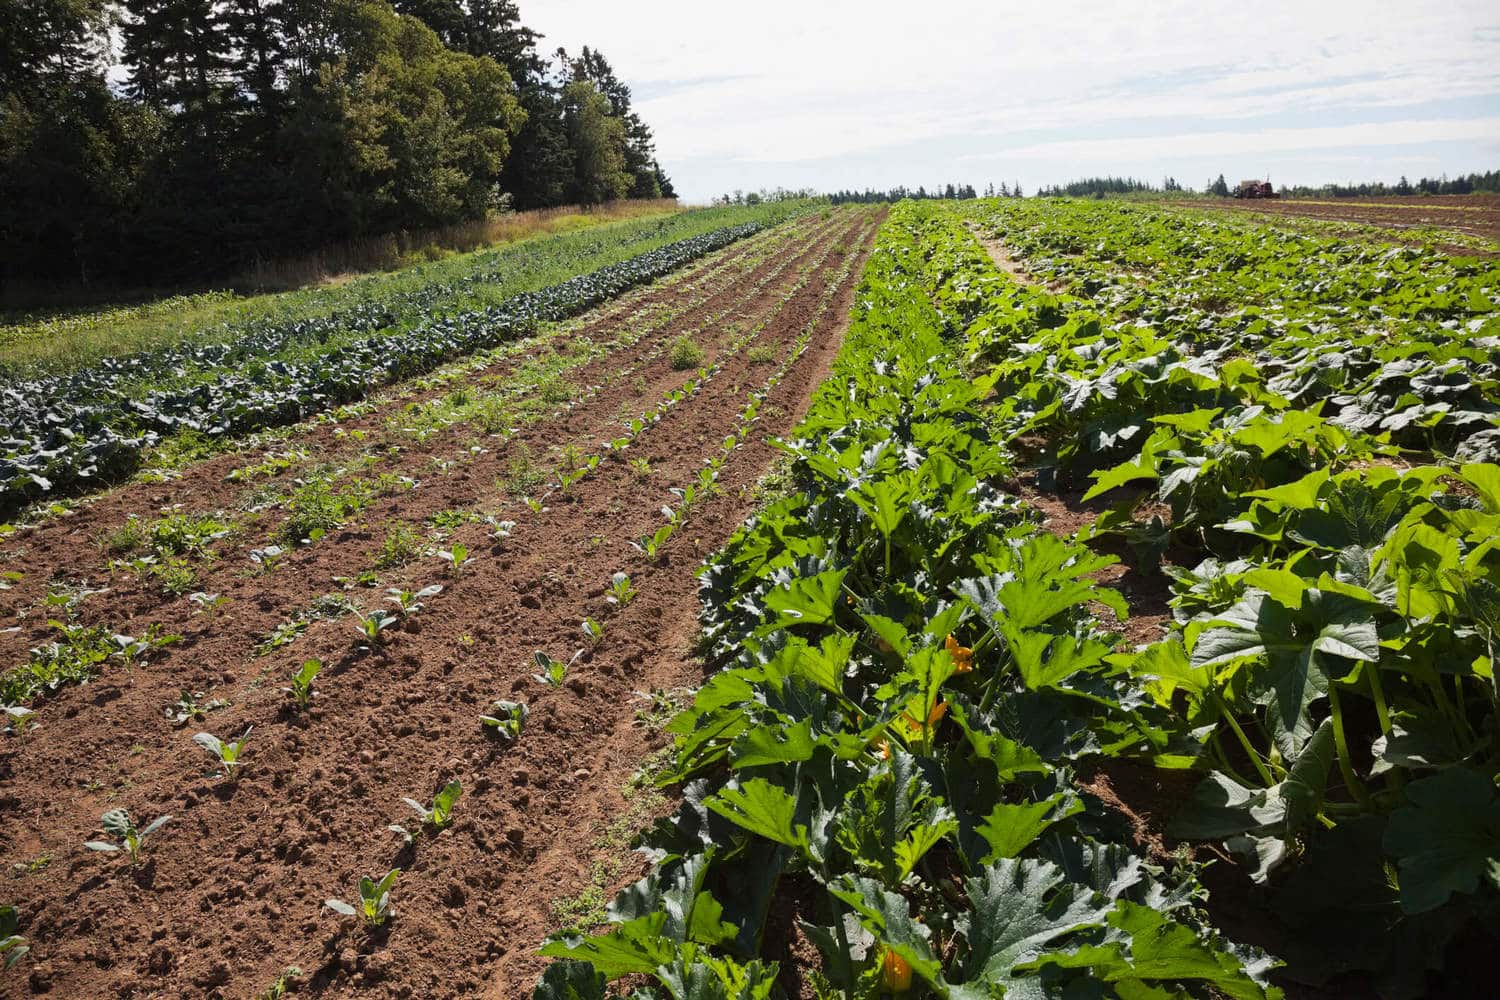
<point x="882" y="748"/>
<point x="895" y="972"/>
<point x="933" y="718"/>
<point x="963" y="656"/>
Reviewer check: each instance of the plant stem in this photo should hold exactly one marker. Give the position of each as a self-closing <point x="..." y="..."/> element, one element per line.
<point x="1381" y="711"/>
<point x="1341" y="745"/>
<point x="1260" y="767"/>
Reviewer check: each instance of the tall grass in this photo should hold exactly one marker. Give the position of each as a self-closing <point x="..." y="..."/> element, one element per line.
<point x="405" y="248"/>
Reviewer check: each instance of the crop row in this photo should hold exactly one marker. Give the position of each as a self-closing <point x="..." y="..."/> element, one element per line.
<point x="1294" y="422"/>
<point x="68" y="433"/>
<point x="911" y="672"/>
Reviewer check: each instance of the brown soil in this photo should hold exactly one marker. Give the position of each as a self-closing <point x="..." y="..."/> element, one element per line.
<point x="232" y="889"/>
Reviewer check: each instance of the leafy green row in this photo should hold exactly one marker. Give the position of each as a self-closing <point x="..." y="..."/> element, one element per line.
<point x="1330" y="666"/>
<point x="70" y="433"/>
<point x="911" y="674"/>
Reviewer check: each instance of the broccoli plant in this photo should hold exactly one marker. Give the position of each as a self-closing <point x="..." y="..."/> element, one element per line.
<point x="227" y="754"/>
<point x="282" y="985"/>
<point x="500" y="531"/>
<point x="620" y="590"/>
<point x="373" y="625"/>
<point x="374" y="900"/>
<point x="553" y="672"/>
<point x="131" y="650"/>
<point x="17" y="719"/>
<point x="506" y="720"/>
<point x="437" y="815"/>
<point x="593" y="631"/>
<point x="118" y="824"/>
<point x="12" y="945"/>
<point x="456" y="558"/>
<point x="410" y="602"/>
<point x="301" y="688"/>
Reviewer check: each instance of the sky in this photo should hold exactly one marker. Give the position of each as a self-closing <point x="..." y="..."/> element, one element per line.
<point x="832" y="94"/>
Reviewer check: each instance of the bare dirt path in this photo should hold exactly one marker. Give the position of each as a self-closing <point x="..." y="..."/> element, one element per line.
<point x="233" y="887"/>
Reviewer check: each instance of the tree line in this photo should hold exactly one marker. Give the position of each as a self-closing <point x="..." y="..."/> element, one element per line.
<point x="1475" y="183"/>
<point x="951" y="192"/>
<point x="166" y="141"/>
<point x="1099" y="187"/>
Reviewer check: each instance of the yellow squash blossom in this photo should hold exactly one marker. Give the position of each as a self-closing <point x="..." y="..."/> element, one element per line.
<point x="963" y="656"/>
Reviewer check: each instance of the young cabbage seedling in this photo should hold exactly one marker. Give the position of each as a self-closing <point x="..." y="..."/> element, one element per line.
<point x="18" y="718"/>
<point x="301" y="688"/>
<point x="283" y="983"/>
<point x="12" y="945"/>
<point x="208" y="603"/>
<point x="438" y="815"/>
<point x="228" y="754"/>
<point x="500" y="531"/>
<point x="593" y="631"/>
<point x="408" y="602"/>
<point x="374" y="900"/>
<point x="117" y="823"/>
<point x="456" y="558"/>
<point x="620" y="590"/>
<point x="506" y="719"/>
<point x="372" y="625"/>
<point x="553" y="672"/>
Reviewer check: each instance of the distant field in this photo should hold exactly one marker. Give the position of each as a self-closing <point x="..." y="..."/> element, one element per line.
<point x="1468" y="223"/>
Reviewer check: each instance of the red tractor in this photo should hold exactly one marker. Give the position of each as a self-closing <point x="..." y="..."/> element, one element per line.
<point x="1255" y="189"/>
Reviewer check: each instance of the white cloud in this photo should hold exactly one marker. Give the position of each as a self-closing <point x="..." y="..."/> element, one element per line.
<point x="849" y="93"/>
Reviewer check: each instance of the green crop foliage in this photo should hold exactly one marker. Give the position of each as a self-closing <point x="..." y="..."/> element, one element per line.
<point x="128" y="839"/>
<point x="373" y="903"/>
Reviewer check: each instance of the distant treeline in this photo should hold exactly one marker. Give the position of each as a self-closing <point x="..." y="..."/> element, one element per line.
<point x="765" y="195"/>
<point x="952" y="192"/>
<point x="166" y="141"/>
<point x="1098" y="187"/>
<point x="1466" y="184"/>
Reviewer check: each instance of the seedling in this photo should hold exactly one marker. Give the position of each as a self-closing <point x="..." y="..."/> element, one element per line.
<point x="267" y="558"/>
<point x="133" y="650"/>
<point x="506" y="720"/>
<point x="12" y="945"/>
<point x="118" y="824"/>
<point x="373" y="624"/>
<point x="374" y="900"/>
<point x="593" y="631"/>
<point x="227" y="754"/>
<point x="188" y="707"/>
<point x="410" y="603"/>
<point x="18" y="719"/>
<point x="301" y="682"/>
<point x="535" y="505"/>
<point x="500" y="531"/>
<point x="282" y="985"/>
<point x="620" y="590"/>
<point x="208" y="603"/>
<point x="553" y="672"/>
<point x="456" y="558"/>
<point x="438" y="815"/>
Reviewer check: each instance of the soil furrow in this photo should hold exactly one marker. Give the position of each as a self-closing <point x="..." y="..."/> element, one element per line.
<point x="53" y="544"/>
<point x="239" y="864"/>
